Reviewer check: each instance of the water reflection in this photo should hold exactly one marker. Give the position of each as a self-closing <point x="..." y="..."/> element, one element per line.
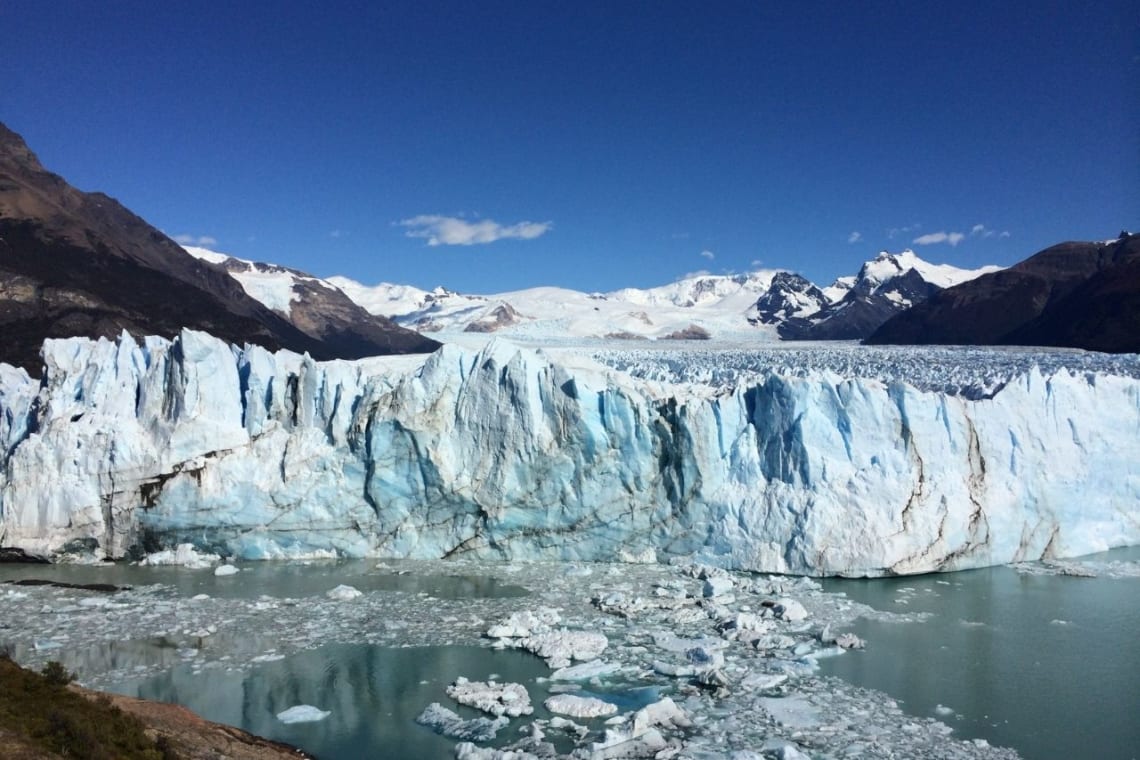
<point x="374" y="694"/>
<point x="278" y="579"/>
<point x="1041" y="663"/>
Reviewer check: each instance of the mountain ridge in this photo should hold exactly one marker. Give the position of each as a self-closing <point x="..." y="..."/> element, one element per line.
<point x="74" y="263"/>
<point x="1073" y="294"/>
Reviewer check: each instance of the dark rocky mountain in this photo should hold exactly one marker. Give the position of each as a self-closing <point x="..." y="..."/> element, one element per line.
<point x="789" y="295"/>
<point x="75" y="263"/>
<point x="1077" y="295"/>
<point x="884" y="287"/>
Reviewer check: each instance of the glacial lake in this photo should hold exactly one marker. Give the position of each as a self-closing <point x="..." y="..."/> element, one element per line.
<point x="1046" y="664"/>
<point x="1043" y="663"/>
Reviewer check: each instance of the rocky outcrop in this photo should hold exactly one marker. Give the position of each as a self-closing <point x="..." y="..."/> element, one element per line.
<point x="1078" y="295"/>
<point x="81" y="264"/>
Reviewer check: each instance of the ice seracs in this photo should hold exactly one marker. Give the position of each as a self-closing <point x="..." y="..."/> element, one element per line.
<point x="509" y="452"/>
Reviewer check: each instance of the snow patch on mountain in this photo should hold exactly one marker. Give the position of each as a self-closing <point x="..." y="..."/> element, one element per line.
<point x="273" y="285"/>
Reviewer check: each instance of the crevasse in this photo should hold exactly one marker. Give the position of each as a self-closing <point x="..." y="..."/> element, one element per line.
<point x="506" y="453"/>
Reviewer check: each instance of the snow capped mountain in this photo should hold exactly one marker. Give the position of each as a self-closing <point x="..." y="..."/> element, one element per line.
<point x="510" y="453"/>
<point x="76" y="263"/>
<point x="1078" y="294"/>
<point x="749" y="307"/>
<point x="789" y="295"/>
<point x="716" y="305"/>
<point x="887" y="285"/>
<point x="275" y="286"/>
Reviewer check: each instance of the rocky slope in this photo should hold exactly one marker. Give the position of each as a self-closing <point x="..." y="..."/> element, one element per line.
<point x="80" y="264"/>
<point x="1079" y="295"/>
<point x="888" y="285"/>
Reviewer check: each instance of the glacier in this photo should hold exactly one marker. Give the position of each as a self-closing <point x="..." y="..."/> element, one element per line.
<point x="507" y="452"/>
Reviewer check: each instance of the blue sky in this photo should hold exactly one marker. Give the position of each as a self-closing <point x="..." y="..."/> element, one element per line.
<point x="497" y="145"/>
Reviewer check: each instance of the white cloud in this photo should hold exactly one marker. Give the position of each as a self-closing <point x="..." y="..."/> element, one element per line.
<point x="894" y="232"/>
<point x="203" y="240"/>
<point x="450" y="230"/>
<point x="980" y="230"/>
<point x="337" y="234"/>
<point x="708" y="254"/>
<point x="931" y="238"/>
<point x="692" y="275"/>
<point x="855" y="237"/>
<point x="1004" y="234"/>
<point x="757" y="263"/>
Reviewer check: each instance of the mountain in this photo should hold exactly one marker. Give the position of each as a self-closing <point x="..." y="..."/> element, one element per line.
<point x="885" y="286"/>
<point x="318" y="308"/>
<point x="81" y="264"/>
<point x="518" y="454"/>
<point x="1075" y="294"/>
<point x="789" y="296"/>
<point x="695" y="307"/>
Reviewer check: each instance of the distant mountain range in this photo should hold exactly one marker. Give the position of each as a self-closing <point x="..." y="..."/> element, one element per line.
<point x="75" y="263"/>
<point x="763" y="305"/>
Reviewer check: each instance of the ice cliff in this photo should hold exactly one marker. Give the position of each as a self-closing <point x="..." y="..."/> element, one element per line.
<point x="506" y="452"/>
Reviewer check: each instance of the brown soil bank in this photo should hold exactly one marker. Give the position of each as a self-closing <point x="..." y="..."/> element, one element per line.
<point x="40" y="717"/>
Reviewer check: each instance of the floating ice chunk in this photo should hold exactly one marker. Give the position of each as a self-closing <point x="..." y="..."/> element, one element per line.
<point x="223" y="570"/>
<point x="497" y="699"/>
<point x="585" y="671"/>
<point x="717" y="586"/>
<point x="579" y="707"/>
<point x="559" y="647"/>
<point x="642" y="738"/>
<point x="761" y="681"/>
<point x="199" y="597"/>
<point x="184" y="554"/>
<point x="303" y="714"/>
<point x="782" y="749"/>
<point x="788" y="610"/>
<point x="943" y="710"/>
<point x="344" y="593"/>
<point x="446" y="723"/>
<point x="522" y="624"/>
<point x="647" y="556"/>
<point x="793" y="712"/>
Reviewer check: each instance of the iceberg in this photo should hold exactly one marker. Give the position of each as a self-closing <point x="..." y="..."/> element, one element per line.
<point x="125" y="448"/>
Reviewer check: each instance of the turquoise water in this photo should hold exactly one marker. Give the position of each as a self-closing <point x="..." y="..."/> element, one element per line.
<point x="1048" y="665"/>
<point x="373" y="693"/>
<point x="277" y="579"/>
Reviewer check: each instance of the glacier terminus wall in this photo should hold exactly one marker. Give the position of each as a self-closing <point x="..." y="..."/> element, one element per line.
<point x="513" y="453"/>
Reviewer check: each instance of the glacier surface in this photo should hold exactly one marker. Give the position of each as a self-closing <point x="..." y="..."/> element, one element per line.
<point x="508" y="452"/>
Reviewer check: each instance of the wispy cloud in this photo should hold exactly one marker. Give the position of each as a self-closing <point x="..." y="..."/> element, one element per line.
<point x="693" y="275"/>
<point x="982" y="231"/>
<point x="708" y="254"/>
<point x="932" y="238"/>
<point x="450" y="230"/>
<point x="203" y="240"/>
<point x="337" y="234"/>
<point x="894" y="232"/>
<point x="855" y="237"/>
